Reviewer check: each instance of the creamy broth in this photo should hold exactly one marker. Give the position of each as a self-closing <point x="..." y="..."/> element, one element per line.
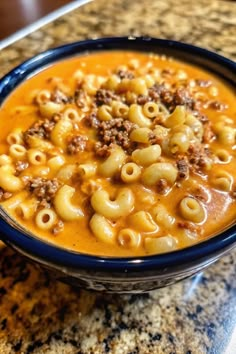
<point x="120" y="154"/>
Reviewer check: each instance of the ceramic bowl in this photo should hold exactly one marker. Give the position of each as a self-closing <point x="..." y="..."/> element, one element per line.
<point x="119" y="275"/>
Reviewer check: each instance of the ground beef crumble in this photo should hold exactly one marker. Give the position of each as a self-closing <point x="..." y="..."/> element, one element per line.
<point x="4" y="195"/>
<point x="43" y="189"/>
<point x="208" y="134"/>
<point x="125" y="74"/>
<point x="91" y="120"/>
<point x="103" y="96"/>
<point x="42" y="128"/>
<point x="101" y="150"/>
<point x="155" y="91"/>
<point x="141" y="99"/>
<point x="115" y="131"/>
<point x="153" y="139"/>
<point x="198" y="156"/>
<point x="183" y="168"/>
<point x="171" y="97"/>
<point x="76" y="143"/>
<point x="182" y="97"/>
<point x="58" y="96"/>
<point x="58" y="227"/>
<point x="79" y="98"/>
<point x="20" y="166"/>
<point x="162" y="186"/>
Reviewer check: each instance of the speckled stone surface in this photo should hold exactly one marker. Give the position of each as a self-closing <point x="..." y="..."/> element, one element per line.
<point x="41" y="315"/>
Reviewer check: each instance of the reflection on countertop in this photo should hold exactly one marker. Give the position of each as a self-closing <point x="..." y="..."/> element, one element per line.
<point x="41" y="315"/>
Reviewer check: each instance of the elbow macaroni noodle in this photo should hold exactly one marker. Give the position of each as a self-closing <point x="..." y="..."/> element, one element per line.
<point x="113" y="163"/>
<point x="8" y="181"/>
<point x="136" y="116"/>
<point x="134" y="156"/>
<point x="113" y="209"/>
<point x="63" y="205"/>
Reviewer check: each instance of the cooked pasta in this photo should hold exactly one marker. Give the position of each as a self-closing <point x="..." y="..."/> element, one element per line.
<point x="71" y="114"/>
<point x="15" y="137"/>
<point x="104" y="112"/>
<point x="130" y="172"/>
<point x="137" y="116"/>
<point x="151" y="109"/>
<point x="129" y="238"/>
<point x="49" y="108"/>
<point x="5" y="160"/>
<point x="120" y="154"/>
<point x="17" y="151"/>
<point x="141" y="135"/>
<point x="36" y="157"/>
<point x="43" y="96"/>
<point x="192" y="210"/>
<point x="45" y="219"/>
<point x="27" y="208"/>
<point x="160" y="245"/>
<point x="146" y="156"/>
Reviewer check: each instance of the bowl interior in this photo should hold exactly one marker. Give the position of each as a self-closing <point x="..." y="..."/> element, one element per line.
<point x="15" y="235"/>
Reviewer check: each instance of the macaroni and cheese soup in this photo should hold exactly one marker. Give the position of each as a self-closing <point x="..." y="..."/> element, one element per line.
<point x="120" y="153"/>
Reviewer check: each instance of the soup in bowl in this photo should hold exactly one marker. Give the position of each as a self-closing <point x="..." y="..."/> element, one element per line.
<point x="117" y="165"/>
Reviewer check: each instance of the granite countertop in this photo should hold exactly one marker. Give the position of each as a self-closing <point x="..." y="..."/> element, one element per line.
<point x="41" y="315"/>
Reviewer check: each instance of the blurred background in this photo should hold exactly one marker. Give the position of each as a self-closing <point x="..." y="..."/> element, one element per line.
<point x="16" y="14"/>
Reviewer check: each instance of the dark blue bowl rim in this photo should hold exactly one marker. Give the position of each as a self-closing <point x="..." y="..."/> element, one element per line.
<point x="51" y="254"/>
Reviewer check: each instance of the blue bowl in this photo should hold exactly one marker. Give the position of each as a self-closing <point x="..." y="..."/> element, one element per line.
<point x="110" y="274"/>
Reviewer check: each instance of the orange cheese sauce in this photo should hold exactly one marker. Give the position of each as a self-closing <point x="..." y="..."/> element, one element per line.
<point x="215" y="107"/>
